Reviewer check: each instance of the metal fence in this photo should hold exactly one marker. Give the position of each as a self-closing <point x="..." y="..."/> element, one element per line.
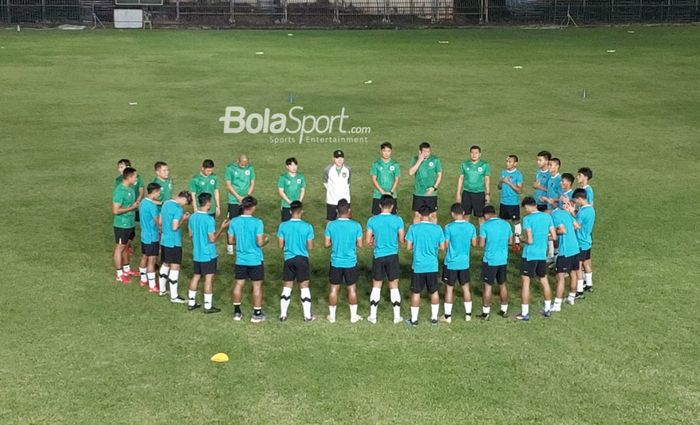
<point x="358" y="13"/>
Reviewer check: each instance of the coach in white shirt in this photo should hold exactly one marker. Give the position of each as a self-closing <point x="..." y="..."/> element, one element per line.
<point x="336" y="180"/>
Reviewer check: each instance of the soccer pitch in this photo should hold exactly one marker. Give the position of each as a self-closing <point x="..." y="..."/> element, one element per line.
<point x="79" y="349"/>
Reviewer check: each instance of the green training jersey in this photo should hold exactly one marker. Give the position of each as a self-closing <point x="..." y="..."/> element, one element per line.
<point x="292" y="186"/>
<point x="385" y="172"/>
<point x="474" y="173"/>
<point x="240" y="178"/>
<point x="204" y="184"/>
<point x="135" y="187"/>
<point x="426" y="175"/>
<point x="166" y="191"/>
<point x="125" y="197"/>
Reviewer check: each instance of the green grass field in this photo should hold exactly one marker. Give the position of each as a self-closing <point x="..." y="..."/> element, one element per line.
<point x="79" y="349"/>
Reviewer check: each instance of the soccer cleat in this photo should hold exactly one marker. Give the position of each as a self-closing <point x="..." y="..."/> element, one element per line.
<point x="178" y="300"/>
<point x="503" y="314"/>
<point x="588" y="288"/>
<point x="330" y="319"/>
<point x="162" y="293"/>
<point x="211" y="310"/>
<point x="372" y="320"/>
<point x="556" y="308"/>
<point x="237" y="317"/>
<point x="193" y="307"/>
<point x="580" y="296"/>
<point x="153" y="290"/>
<point x="142" y="283"/>
<point x="310" y="318"/>
<point x="517" y="249"/>
<point x="569" y="301"/>
<point x="445" y="319"/>
<point x="283" y="318"/>
<point x="123" y="279"/>
<point x="468" y="317"/>
<point x="411" y="323"/>
<point x="356" y="318"/>
<point x="258" y="318"/>
<point x="398" y="320"/>
<point x="545" y="313"/>
<point x="434" y="322"/>
<point x="133" y="273"/>
<point x="484" y="316"/>
<point x="522" y="317"/>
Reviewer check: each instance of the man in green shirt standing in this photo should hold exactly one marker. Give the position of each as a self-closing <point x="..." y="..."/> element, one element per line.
<point x="385" y="175"/>
<point x="240" y="182"/>
<point x="138" y="187"/>
<point x="427" y="169"/>
<point x="124" y="205"/>
<point x="474" y="184"/>
<point x="165" y="181"/>
<point x="291" y="187"/>
<point x="206" y="182"/>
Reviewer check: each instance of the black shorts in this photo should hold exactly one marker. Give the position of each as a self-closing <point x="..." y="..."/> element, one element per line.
<point x="123" y="236"/>
<point x="150" y="249"/>
<point x="376" y="209"/>
<point x="171" y="255"/>
<point x="566" y="264"/>
<point x="429" y="201"/>
<point x="234" y="210"/>
<point x="509" y="212"/>
<point x="533" y="268"/>
<point x="285" y="214"/>
<point x="137" y="216"/>
<point x="386" y="268"/>
<point x="340" y="275"/>
<point x="421" y="281"/>
<point x="493" y="274"/>
<point x="584" y="255"/>
<point x="450" y="277"/>
<point x="205" y="268"/>
<point x="296" y="268"/>
<point x="252" y="273"/>
<point x="542" y="207"/>
<point x="473" y="203"/>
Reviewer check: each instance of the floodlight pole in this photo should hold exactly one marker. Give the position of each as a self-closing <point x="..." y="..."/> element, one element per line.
<point x="336" y="12"/>
<point x="285" y="16"/>
<point x="232" y="18"/>
<point x="386" y="19"/>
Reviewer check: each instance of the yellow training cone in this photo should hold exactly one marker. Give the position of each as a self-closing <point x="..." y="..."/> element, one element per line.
<point x="219" y="358"/>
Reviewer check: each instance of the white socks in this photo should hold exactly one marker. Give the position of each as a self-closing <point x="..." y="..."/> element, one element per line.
<point x="448" y="309"/>
<point x="331" y="313"/>
<point x="487" y="310"/>
<point x="229" y="249"/>
<point x="306" y="302"/>
<point x="285" y="299"/>
<point x="396" y="302"/>
<point x="434" y="310"/>
<point x="374" y="297"/>
<point x="525" y="309"/>
<point x="353" y="310"/>
<point x="547" y="305"/>
<point x="172" y="279"/>
<point x="191" y="298"/>
<point x="151" y="277"/>
<point x="588" y="278"/>
<point x="163" y="278"/>
<point x="467" y="307"/>
<point x="579" y="285"/>
<point x="504" y="308"/>
<point x="143" y="271"/>
<point x="414" y="314"/>
<point x="207" y="301"/>
<point x="517" y="232"/>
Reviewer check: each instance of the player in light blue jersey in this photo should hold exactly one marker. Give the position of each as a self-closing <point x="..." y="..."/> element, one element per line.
<point x="495" y="235"/>
<point x="385" y="232"/>
<point x="460" y="236"/>
<point x="553" y="185"/>
<point x="246" y="233"/>
<point x="567" y="193"/>
<point x="172" y="218"/>
<point x="202" y="229"/>
<point x="585" y="217"/>
<point x="584" y="176"/>
<point x="150" y="234"/>
<point x="541" y="179"/>
<point x="567" y="260"/>
<point x="344" y="236"/>
<point x="538" y="228"/>
<point x="511" y="186"/>
<point x="296" y="237"/>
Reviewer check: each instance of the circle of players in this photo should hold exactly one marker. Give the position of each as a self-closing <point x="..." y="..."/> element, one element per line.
<point x="554" y="232"/>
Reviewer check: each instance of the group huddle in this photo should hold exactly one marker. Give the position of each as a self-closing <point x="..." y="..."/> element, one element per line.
<point x="556" y="231"/>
